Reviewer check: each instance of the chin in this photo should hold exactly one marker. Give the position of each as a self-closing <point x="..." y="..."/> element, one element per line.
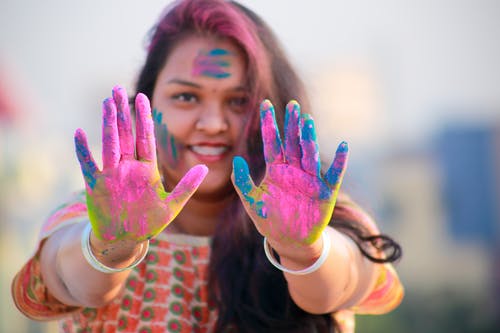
<point x="215" y="189"/>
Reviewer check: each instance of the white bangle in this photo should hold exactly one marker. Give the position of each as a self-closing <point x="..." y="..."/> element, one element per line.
<point x="96" y="264"/>
<point x="322" y="258"/>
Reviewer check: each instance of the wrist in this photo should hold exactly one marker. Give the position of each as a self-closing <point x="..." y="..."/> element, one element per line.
<point x="298" y="255"/>
<point x="112" y="257"/>
<point x="297" y="266"/>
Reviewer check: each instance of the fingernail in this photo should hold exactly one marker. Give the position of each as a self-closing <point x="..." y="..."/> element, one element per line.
<point x="343" y="147"/>
<point x="119" y="94"/>
<point x="308" y="130"/>
<point x="266" y="105"/>
<point x="293" y="106"/>
<point x="108" y="103"/>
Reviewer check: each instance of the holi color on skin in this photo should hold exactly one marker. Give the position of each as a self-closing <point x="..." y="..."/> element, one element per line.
<point x="387" y="293"/>
<point x="292" y="177"/>
<point x="126" y="200"/>
<point x="165" y="140"/>
<point x="212" y="64"/>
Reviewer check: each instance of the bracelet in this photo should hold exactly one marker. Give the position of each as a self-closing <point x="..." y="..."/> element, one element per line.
<point x="322" y="258"/>
<point x="96" y="264"/>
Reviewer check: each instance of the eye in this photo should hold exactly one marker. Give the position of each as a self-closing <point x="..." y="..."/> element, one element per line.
<point x="185" y="97"/>
<point x="238" y="103"/>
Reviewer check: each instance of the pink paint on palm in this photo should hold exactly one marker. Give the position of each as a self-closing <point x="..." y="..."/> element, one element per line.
<point x="293" y="201"/>
<point x="301" y="209"/>
<point x="127" y="198"/>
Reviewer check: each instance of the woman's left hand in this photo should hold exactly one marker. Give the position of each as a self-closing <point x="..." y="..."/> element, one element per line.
<point x="294" y="203"/>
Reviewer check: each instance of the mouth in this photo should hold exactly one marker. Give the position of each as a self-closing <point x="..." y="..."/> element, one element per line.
<point x="209" y="152"/>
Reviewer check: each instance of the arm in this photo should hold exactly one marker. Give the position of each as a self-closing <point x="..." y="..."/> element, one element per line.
<point x="127" y="206"/>
<point x="342" y="281"/>
<point x="293" y="205"/>
<point x="71" y="279"/>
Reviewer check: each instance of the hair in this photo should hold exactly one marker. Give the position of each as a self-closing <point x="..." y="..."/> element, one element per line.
<point x="249" y="293"/>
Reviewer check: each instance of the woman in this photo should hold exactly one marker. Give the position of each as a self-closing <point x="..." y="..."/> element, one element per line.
<point x="180" y="230"/>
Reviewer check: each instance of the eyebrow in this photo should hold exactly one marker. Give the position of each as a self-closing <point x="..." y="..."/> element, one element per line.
<point x="195" y="85"/>
<point x="184" y="82"/>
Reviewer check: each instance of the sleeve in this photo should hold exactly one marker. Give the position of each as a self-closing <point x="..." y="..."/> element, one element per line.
<point x="29" y="292"/>
<point x="386" y="294"/>
<point x="387" y="291"/>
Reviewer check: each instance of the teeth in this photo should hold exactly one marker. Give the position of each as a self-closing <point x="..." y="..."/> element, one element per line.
<point x="208" y="150"/>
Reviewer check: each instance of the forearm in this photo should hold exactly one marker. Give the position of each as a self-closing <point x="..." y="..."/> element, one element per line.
<point x="70" y="278"/>
<point x="343" y="280"/>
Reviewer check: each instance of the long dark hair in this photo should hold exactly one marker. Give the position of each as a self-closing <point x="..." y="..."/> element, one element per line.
<point x="250" y="294"/>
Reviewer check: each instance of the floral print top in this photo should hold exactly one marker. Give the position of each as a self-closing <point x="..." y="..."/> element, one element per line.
<point x="167" y="292"/>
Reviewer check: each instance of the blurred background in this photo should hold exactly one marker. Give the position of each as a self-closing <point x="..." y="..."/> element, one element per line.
<point x="413" y="86"/>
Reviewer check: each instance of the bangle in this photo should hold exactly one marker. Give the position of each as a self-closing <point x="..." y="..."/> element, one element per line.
<point x="322" y="258"/>
<point x="96" y="264"/>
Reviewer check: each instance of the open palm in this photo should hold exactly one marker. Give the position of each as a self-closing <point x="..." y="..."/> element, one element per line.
<point x="126" y="199"/>
<point x="293" y="202"/>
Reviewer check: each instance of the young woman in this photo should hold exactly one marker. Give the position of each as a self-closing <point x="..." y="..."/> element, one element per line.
<point x="182" y="227"/>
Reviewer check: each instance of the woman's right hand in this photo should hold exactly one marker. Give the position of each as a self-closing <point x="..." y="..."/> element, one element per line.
<point x="126" y="200"/>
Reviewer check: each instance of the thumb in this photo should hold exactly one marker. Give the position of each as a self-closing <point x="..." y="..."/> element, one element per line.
<point x="241" y="178"/>
<point x="87" y="163"/>
<point x="246" y="189"/>
<point x="186" y="187"/>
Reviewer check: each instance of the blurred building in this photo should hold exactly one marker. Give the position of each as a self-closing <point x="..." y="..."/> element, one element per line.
<point x="469" y="160"/>
<point x="441" y="201"/>
<point x="469" y="157"/>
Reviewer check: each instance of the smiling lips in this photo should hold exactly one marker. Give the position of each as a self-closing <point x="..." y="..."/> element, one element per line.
<point x="209" y="152"/>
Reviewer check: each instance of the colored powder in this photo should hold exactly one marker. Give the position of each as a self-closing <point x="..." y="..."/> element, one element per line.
<point x="212" y="64"/>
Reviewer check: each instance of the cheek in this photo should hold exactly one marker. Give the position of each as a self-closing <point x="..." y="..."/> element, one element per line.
<point x="167" y="144"/>
<point x="242" y="135"/>
<point x="238" y="126"/>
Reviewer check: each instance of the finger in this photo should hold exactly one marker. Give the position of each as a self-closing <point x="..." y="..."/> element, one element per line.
<point x="336" y="171"/>
<point x="270" y="134"/>
<point x="292" y="134"/>
<point x="186" y="187"/>
<point x="145" y="143"/>
<point x="124" y="122"/>
<point x="245" y="186"/>
<point x="87" y="163"/>
<point x="110" y="141"/>
<point x="241" y="176"/>
<point x="309" y="146"/>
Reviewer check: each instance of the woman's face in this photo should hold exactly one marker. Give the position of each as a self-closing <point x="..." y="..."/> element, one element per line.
<point x="199" y="109"/>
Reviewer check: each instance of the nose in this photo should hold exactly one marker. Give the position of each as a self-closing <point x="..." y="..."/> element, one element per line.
<point x="212" y="119"/>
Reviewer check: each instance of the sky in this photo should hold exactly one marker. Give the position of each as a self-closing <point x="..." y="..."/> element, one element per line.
<point x="427" y="60"/>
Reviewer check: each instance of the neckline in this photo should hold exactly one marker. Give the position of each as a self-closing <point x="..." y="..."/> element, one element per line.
<point x="185" y="239"/>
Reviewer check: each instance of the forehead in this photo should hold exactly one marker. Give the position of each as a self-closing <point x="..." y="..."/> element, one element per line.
<point x="197" y="56"/>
